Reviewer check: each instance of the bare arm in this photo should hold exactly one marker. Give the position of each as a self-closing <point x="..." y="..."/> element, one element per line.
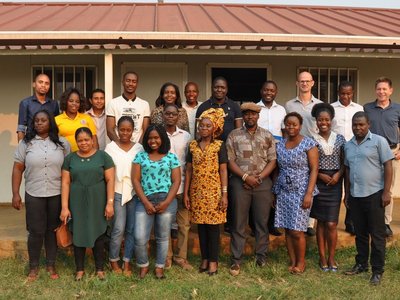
<point x="312" y="156"/>
<point x="110" y="126"/>
<point x="223" y="173"/>
<point x="20" y="136"/>
<point x="109" y="177"/>
<point x="387" y="173"/>
<point x="146" y="123"/>
<point x="136" y="177"/>
<point x="65" y="188"/>
<point x="188" y="179"/>
<point x="16" y="179"/>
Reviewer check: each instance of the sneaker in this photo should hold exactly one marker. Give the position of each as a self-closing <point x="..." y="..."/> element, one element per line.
<point x="234" y="270"/>
<point x="310" y="231"/>
<point x="183" y="263"/>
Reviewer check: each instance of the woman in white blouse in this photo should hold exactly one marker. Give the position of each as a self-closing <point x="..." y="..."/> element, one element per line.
<point x="123" y="152"/>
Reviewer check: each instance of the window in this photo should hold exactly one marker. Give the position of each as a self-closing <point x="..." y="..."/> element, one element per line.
<point x="327" y="81"/>
<point x="63" y="77"/>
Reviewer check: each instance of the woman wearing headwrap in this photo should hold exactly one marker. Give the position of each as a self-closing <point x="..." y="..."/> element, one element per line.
<point x="206" y="191"/>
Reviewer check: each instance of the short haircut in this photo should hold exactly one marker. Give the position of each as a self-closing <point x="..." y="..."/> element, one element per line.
<point x="41" y="74"/>
<point x="65" y="96"/>
<point x="165" y="143"/>
<point x="83" y="129"/>
<point x="191" y="83"/>
<point x="219" y="78"/>
<point x="345" y="84"/>
<point x="294" y="114"/>
<point x="130" y="72"/>
<point x="323" y="107"/>
<point x="97" y="91"/>
<point x="170" y="105"/>
<point x="360" y="114"/>
<point x="270" y="82"/>
<point x="160" y="100"/>
<point x="126" y="119"/>
<point x="383" y="79"/>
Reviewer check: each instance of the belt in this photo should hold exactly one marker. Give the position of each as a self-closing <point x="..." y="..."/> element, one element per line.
<point x="393" y="146"/>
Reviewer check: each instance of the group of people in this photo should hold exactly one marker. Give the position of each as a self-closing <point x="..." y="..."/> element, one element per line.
<point x="206" y="163"/>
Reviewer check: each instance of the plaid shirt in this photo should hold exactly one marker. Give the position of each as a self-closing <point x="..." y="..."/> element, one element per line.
<point x="251" y="152"/>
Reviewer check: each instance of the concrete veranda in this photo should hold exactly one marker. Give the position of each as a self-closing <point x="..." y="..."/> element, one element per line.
<point x="13" y="234"/>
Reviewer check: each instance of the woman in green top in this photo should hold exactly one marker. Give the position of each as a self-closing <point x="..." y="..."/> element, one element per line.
<point x="87" y="183"/>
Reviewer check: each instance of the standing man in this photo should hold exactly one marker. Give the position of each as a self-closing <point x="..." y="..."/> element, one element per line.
<point x="97" y="112"/>
<point x="179" y="139"/>
<point x="369" y="176"/>
<point x="191" y="105"/>
<point x="38" y="101"/>
<point x="303" y="105"/>
<point x="252" y="158"/>
<point x="385" y="121"/>
<point x="271" y="118"/>
<point x="345" y="109"/>
<point x="233" y="119"/>
<point x="128" y="104"/>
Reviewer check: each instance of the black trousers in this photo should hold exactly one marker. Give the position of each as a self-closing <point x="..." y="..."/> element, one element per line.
<point x="209" y="235"/>
<point x="42" y="217"/>
<point x="368" y="217"/>
<point x="98" y="254"/>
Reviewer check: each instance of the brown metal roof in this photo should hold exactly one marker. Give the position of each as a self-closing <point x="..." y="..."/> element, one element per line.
<point x="196" y="24"/>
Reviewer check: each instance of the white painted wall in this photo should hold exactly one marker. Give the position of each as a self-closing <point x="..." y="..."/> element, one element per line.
<point x="16" y="76"/>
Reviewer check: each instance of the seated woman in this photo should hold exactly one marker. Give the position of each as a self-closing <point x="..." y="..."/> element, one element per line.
<point x="87" y="196"/>
<point x="123" y="152"/>
<point x="169" y="94"/>
<point x="297" y="158"/>
<point x="156" y="176"/>
<point x="40" y="155"/>
<point x="326" y="204"/>
<point x="72" y="103"/>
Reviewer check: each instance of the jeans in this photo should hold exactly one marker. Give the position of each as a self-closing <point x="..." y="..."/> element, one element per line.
<point x="162" y="226"/>
<point x="123" y="223"/>
<point x="42" y="217"/>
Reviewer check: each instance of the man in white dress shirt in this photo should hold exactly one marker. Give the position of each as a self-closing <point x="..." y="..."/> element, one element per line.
<point x="345" y="109"/>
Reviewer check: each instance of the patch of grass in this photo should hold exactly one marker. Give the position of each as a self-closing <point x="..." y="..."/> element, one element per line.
<point x="271" y="282"/>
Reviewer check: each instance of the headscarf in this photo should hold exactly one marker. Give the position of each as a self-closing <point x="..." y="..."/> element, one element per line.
<point x="216" y="116"/>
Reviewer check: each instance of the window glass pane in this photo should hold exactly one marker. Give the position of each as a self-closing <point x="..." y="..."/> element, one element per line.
<point x="58" y="82"/>
<point x="333" y="85"/>
<point x="79" y="79"/>
<point x="90" y="80"/>
<point x="69" y="77"/>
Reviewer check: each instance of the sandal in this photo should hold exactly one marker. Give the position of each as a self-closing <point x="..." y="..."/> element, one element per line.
<point x="333" y="268"/>
<point x="323" y="268"/>
<point x="33" y="274"/>
<point x="51" y="270"/>
<point x="79" y="275"/>
<point x="115" y="267"/>
<point x="101" y="275"/>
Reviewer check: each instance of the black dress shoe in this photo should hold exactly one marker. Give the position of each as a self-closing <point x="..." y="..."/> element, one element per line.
<point x="310" y="231"/>
<point x="357" y="269"/>
<point x="350" y="229"/>
<point x="375" y="279"/>
<point x="388" y="231"/>
<point x="274" y="231"/>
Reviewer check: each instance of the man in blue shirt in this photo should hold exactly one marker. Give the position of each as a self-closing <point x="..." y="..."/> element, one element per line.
<point x="38" y="101"/>
<point x="368" y="162"/>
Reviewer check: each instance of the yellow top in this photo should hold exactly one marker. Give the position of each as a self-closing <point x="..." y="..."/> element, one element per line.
<point x="67" y="127"/>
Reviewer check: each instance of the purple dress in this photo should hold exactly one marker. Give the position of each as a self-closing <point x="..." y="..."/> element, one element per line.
<point x="292" y="184"/>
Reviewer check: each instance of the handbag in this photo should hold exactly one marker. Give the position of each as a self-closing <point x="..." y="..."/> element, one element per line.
<point x="63" y="235"/>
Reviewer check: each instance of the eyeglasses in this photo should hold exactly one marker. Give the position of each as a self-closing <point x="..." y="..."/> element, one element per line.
<point x="170" y="114"/>
<point x="305" y="81"/>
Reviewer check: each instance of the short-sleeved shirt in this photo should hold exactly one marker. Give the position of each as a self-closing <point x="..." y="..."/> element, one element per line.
<point x="100" y="122"/>
<point x="231" y="109"/>
<point x="180" y="140"/>
<point x="365" y="161"/>
<point x="67" y="127"/>
<point x="156" y="175"/>
<point x="191" y="112"/>
<point x="29" y="106"/>
<point x="272" y="118"/>
<point x="43" y="160"/>
<point x="137" y="109"/>
<point x="309" y="127"/>
<point x="251" y="152"/>
<point x="342" y="123"/>
<point x="334" y="160"/>
<point x="385" y="121"/>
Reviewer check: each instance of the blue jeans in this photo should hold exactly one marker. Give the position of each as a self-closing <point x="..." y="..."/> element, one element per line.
<point x="162" y="226"/>
<point x="123" y="223"/>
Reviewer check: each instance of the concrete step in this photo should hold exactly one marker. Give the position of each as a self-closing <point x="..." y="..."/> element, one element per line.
<point x="13" y="235"/>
